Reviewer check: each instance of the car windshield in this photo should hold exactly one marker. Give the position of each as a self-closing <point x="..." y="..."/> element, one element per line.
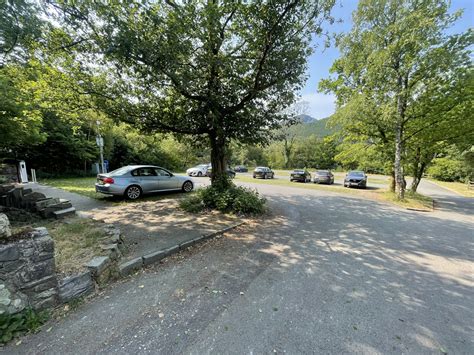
<point x="299" y="171"/>
<point x="120" y="171"/>
<point x="201" y="166"/>
<point x="322" y="173"/>
<point x="259" y="169"/>
<point x="356" y="173"/>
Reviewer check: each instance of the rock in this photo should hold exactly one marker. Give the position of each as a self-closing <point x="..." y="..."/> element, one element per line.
<point x="155" y="257"/>
<point x="41" y="204"/>
<point x="112" y="250"/>
<point x="98" y="264"/>
<point x="75" y="286"/>
<point x="11" y="302"/>
<point x="64" y="213"/>
<point x="128" y="267"/>
<point x="9" y="252"/>
<point x="5" y="230"/>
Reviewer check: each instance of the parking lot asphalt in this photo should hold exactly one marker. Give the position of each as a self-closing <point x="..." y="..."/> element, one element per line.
<point x="323" y="273"/>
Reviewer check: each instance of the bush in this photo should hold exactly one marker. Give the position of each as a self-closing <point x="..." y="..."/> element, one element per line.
<point x="446" y="169"/>
<point x="235" y="199"/>
<point x="14" y="325"/>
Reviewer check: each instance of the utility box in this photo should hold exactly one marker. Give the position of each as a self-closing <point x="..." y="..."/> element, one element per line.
<point x="22" y="171"/>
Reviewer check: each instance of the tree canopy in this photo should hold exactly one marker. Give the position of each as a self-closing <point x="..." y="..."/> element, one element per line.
<point x="222" y="69"/>
<point x="395" y="63"/>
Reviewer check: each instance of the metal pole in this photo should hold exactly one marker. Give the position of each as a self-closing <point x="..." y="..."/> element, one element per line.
<point x="100" y="143"/>
<point x="101" y="148"/>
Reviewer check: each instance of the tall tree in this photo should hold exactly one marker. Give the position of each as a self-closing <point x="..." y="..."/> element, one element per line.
<point x="216" y="68"/>
<point x="394" y="53"/>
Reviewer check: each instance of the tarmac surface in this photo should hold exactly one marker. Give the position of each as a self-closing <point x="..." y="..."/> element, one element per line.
<point x="324" y="273"/>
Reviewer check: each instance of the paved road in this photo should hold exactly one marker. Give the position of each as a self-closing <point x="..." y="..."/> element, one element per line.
<point x="325" y="273"/>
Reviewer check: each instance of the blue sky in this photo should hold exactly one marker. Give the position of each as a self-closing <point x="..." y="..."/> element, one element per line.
<point x="321" y="105"/>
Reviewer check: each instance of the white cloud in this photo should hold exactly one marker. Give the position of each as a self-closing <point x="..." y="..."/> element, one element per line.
<point x="320" y="105"/>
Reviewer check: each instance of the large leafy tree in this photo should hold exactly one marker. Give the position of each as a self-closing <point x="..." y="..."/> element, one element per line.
<point x="218" y="69"/>
<point x="396" y="52"/>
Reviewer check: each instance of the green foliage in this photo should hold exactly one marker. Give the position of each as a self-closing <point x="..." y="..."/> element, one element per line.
<point x="219" y="70"/>
<point x="20" y="118"/>
<point x="14" y="325"/>
<point x="234" y="199"/>
<point x="401" y="83"/>
<point x="447" y="169"/>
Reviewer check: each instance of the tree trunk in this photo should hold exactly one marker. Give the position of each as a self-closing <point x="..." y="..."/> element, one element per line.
<point x="401" y="106"/>
<point x="287" y="151"/>
<point x="398" y="170"/>
<point x="219" y="178"/>
<point x="392" y="181"/>
<point x="418" y="170"/>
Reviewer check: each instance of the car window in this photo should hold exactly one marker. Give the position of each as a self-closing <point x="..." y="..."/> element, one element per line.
<point x="162" y="172"/>
<point x="145" y="172"/>
<point x="120" y="171"/>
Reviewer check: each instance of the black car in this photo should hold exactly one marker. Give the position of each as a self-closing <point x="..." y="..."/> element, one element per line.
<point x="323" y="177"/>
<point x="355" y="179"/>
<point x="241" y="169"/>
<point x="263" y="172"/>
<point x="230" y="173"/>
<point x="300" y="175"/>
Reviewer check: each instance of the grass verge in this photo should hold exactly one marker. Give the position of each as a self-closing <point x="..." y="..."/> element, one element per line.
<point x="458" y="187"/>
<point x="76" y="241"/>
<point x="80" y="185"/>
<point x="413" y="201"/>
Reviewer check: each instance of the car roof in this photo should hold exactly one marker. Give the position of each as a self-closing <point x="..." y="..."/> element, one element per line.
<point x="356" y="172"/>
<point x="143" y="166"/>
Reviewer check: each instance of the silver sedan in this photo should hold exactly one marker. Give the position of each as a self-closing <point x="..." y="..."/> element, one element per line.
<point x="134" y="180"/>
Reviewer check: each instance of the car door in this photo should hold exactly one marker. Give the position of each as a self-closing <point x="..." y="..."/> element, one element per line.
<point x="166" y="180"/>
<point x="147" y="178"/>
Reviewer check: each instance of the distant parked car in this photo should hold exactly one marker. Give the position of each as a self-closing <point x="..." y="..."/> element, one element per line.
<point x="133" y="181"/>
<point x="241" y="169"/>
<point x="198" y="170"/>
<point x="263" y="172"/>
<point x="323" y="177"/>
<point x="355" y="178"/>
<point x="230" y="173"/>
<point x="300" y="175"/>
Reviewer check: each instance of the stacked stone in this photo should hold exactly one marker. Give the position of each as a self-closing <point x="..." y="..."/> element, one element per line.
<point x="19" y="197"/>
<point x="27" y="272"/>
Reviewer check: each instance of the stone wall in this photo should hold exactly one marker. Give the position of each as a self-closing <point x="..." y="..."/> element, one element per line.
<point x="28" y="278"/>
<point x="27" y="272"/>
<point x="8" y="173"/>
<point x="12" y="196"/>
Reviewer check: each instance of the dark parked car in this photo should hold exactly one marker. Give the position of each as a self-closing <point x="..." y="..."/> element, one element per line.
<point x="241" y="169"/>
<point x="300" y="175"/>
<point x="263" y="172"/>
<point x="230" y="173"/>
<point x="323" y="177"/>
<point x="355" y="179"/>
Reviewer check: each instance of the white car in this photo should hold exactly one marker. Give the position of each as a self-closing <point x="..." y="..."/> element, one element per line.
<point x="199" y="170"/>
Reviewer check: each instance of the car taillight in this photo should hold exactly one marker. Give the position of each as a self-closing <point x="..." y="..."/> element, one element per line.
<point x="108" y="180"/>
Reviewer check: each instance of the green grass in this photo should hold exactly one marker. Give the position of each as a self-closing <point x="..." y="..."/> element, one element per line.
<point x="76" y="242"/>
<point x="81" y="185"/>
<point x="415" y="201"/>
<point x="459" y="187"/>
<point x="411" y="200"/>
<point x="86" y="186"/>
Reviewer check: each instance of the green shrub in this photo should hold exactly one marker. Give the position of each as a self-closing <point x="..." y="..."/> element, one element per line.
<point x="446" y="169"/>
<point x="14" y="325"/>
<point x="235" y="199"/>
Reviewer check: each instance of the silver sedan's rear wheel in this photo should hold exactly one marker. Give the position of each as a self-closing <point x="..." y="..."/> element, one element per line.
<point x="188" y="186"/>
<point x="133" y="192"/>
